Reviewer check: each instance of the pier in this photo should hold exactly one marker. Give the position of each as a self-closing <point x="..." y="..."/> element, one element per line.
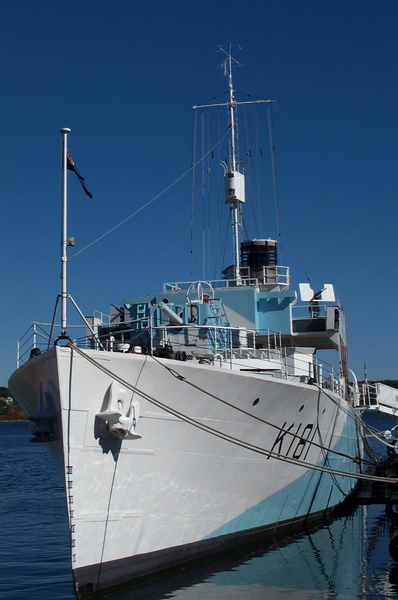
<point x="376" y="492"/>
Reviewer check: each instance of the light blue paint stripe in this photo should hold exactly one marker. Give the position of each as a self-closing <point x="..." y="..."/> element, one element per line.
<point x="297" y="498"/>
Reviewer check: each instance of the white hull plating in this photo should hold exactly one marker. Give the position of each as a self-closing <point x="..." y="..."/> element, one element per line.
<point x="233" y="455"/>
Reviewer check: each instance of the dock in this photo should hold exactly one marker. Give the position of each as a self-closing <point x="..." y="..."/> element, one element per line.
<point x="376" y="492"/>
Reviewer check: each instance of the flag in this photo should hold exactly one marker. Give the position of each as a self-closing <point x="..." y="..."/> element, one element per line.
<point x="71" y="167"/>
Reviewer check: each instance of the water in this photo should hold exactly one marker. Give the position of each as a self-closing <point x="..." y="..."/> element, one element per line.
<point x="347" y="559"/>
<point x="34" y="549"/>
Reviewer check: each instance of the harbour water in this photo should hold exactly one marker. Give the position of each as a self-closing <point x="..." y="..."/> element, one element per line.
<point x="345" y="559"/>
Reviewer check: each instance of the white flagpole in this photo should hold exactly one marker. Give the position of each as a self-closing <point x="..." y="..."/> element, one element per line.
<point x="64" y="241"/>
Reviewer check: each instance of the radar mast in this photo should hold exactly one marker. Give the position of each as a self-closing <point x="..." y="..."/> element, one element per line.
<point x="234" y="180"/>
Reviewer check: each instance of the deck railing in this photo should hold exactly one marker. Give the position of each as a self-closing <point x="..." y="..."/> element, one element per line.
<point x="271" y="275"/>
<point x="214" y="344"/>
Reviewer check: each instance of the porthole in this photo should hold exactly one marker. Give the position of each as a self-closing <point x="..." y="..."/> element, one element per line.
<point x="301" y="408"/>
<point x="256" y="401"/>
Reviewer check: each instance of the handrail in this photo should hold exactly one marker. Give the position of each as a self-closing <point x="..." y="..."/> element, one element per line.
<point x="292" y="368"/>
<point x="280" y="272"/>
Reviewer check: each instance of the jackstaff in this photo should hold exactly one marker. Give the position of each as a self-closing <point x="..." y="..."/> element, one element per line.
<point x="64" y="241"/>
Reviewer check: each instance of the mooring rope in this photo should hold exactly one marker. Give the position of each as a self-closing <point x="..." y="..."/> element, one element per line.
<point x="225" y="436"/>
<point x="351" y="414"/>
<point x="257" y="418"/>
<point x="365" y="427"/>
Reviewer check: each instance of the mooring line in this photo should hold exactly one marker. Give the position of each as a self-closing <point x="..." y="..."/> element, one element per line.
<point x="226" y="437"/>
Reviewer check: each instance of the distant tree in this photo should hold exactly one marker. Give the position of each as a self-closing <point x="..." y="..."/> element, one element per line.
<point x="391" y="382"/>
<point x="12" y="412"/>
<point x="4" y="392"/>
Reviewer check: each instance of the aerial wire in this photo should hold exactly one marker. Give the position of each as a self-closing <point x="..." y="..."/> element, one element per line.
<point x="149" y="202"/>
<point x="193" y="187"/>
<point x="272" y="146"/>
<point x="203" y="198"/>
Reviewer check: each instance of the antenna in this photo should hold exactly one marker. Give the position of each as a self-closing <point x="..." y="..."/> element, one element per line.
<point x="234" y="180"/>
<point x="227" y="61"/>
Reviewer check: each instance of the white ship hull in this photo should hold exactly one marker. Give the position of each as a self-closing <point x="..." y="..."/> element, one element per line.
<point x="220" y="468"/>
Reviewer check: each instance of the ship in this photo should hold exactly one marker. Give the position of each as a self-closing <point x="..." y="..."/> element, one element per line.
<point x="198" y="419"/>
<point x="332" y="559"/>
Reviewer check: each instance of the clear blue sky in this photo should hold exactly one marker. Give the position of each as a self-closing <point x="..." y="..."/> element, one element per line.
<point x="123" y="75"/>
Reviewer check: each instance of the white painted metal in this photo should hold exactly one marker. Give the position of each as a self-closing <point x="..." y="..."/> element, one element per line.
<point x="178" y="484"/>
<point x="378" y="397"/>
<point x="64" y="242"/>
<point x="307" y="294"/>
<point x="170" y="314"/>
<point x="328" y="293"/>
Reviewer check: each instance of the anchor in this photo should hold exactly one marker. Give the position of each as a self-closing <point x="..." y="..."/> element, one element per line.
<point x="120" y="414"/>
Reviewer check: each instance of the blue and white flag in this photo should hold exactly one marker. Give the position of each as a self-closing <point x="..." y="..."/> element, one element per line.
<point x="71" y="167"/>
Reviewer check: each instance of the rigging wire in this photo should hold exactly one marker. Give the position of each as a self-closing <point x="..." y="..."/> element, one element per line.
<point x="220" y="210"/>
<point x="210" y="209"/>
<point x="169" y="252"/>
<point x="206" y="175"/>
<point x="253" y="216"/>
<point x="193" y="187"/>
<point x="258" y="182"/>
<point x="203" y="197"/>
<point x="272" y="146"/>
<point x="190" y="212"/>
<point x="372" y="432"/>
<point x="275" y="202"/>
<point x="224" y="244"/>
<point x="221" y="252"/>
<point x="248" y="180"/>
<point x="281" y="224"/>
<point x="149" y="202"/>
<point x="205" y="207"/>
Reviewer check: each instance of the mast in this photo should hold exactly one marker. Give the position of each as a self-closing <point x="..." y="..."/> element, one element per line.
<point x="234" y="180"/>
<point x="64" y="239"/>
<point x="232" y="169"/>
